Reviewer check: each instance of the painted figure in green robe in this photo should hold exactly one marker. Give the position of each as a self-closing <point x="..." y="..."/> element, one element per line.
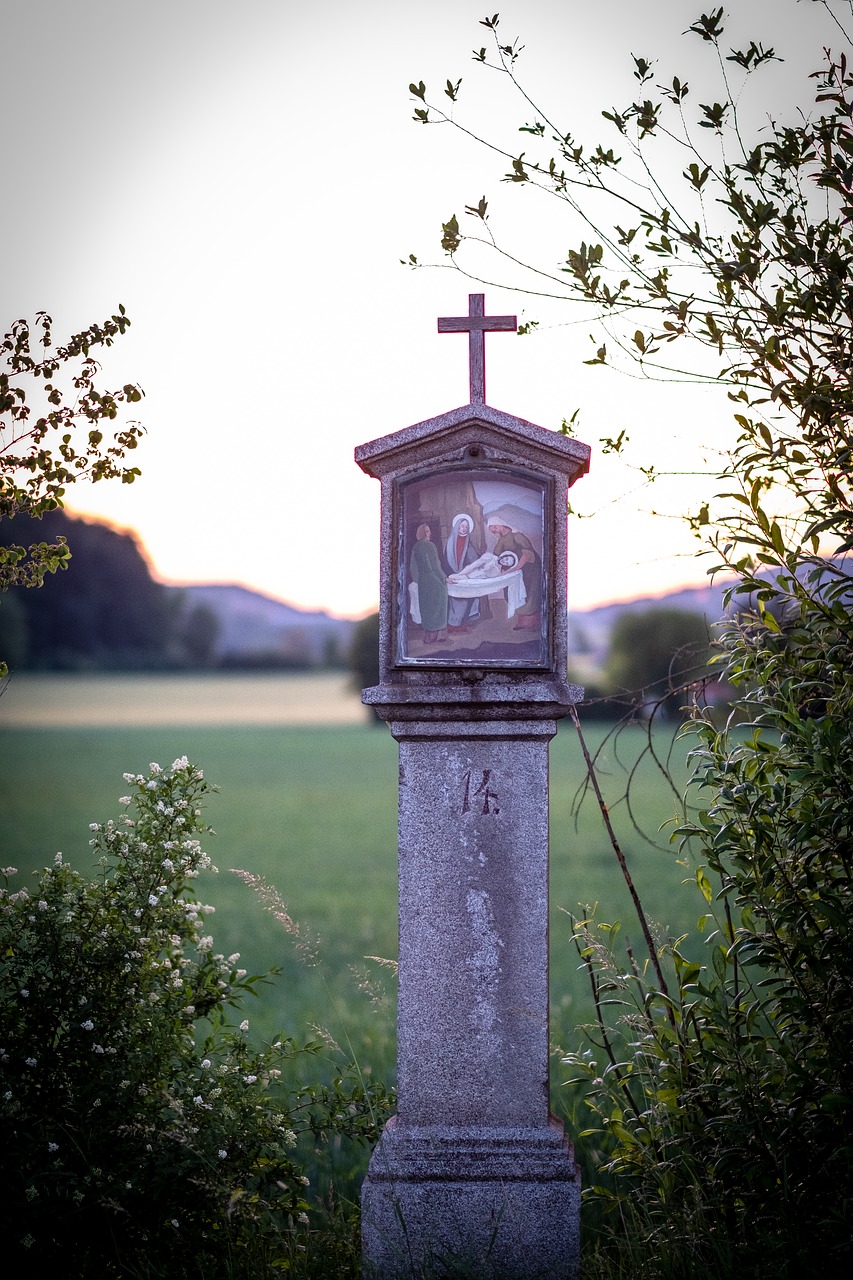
<point x="431" y="582"/>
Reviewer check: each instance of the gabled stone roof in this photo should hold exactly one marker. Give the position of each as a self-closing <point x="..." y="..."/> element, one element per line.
<point x="473" y="424"/>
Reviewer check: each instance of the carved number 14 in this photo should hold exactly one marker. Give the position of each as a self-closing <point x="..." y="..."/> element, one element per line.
<point x="474" y="793"/>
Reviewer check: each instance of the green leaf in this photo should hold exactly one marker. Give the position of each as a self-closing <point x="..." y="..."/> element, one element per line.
<point x="704" y="884"/>
<point x="450" y="237"/>
<point x="697" y="177"/>
<point x="777" y="539"/>
<point x="519" y="173"/>
<point x="714" y="114"/>
<point x="709" y="26"/>
<point x="768" y="618"/>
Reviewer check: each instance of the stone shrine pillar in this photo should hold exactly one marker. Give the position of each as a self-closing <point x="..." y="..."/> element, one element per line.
<point x="473" y="656"/>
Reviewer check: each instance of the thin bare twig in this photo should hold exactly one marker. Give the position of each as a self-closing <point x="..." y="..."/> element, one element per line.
<point x="626" y="874"/>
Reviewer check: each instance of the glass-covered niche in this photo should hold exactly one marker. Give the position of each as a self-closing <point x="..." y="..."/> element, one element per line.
<point x="472" y="571"/>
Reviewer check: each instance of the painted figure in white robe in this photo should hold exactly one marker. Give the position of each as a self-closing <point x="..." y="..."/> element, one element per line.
<point x="488" y="565"/>
<point x="460" y="554"/>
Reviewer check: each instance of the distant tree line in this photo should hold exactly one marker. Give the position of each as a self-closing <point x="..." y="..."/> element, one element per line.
<point x="105" y="611"/>
<point x="102" y="610"/>
<point x="657" y="658"/>
<point x="657" y="661"/>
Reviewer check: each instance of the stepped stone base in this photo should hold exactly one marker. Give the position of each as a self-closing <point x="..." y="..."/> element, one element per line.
<point x="490" y="1203"/>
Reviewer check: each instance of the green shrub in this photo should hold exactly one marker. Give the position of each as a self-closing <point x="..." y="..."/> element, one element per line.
<point x="142" y="1135"/>
<point x="654" y="655"/>
<point x="722" y="1095"/>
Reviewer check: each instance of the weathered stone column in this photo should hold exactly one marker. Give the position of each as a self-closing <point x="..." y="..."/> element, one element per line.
<point x="473" y="1169"/>
<point x="473" y="1166"/>
<point x="473" y="886"/>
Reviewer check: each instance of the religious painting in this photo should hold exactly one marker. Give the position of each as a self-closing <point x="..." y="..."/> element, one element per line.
<point x="473" y="570"/>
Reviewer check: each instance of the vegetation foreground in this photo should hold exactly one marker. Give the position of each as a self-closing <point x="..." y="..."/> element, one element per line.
<point x="308" y="811"/>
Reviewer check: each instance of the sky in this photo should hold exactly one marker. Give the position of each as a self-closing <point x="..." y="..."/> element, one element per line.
<point x="245" y="179"/>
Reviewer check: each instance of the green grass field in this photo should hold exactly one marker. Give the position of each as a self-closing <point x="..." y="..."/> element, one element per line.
<point x="312" y="809"/>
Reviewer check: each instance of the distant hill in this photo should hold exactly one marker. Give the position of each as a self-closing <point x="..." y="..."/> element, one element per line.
<point x="589" y="629"/>
<point x="257" y="627"/>
<point x="104" y="612"/>
<point x="107" y="612"/>
<point x="252" y="623"/>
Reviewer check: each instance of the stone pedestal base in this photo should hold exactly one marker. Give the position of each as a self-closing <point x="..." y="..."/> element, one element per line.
<point x="496" y="1203"/>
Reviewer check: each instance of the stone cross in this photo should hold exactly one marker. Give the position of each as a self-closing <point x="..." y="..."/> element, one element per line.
<point x="473" y="1172"/>
<point x="476" y="324"/>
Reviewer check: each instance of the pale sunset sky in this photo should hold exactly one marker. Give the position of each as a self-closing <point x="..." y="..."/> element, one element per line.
<point x="245" y="178"/>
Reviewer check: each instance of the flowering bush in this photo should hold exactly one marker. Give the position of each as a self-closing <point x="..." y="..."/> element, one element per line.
<point x="140" y="1133"/>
